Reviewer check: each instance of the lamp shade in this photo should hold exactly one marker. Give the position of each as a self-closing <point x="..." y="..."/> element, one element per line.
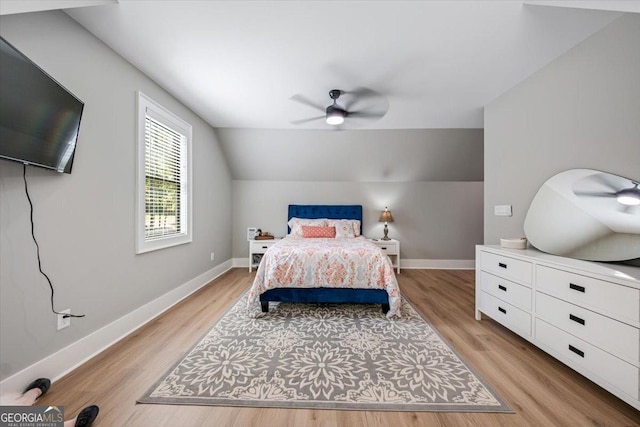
<point x="385" y="216"/>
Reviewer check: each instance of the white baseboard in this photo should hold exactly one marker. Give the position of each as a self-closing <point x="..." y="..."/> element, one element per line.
<point x="426" y="264"/>
<point x="240" y="262"/>
<point x="64" y="361"/>
<point x="438" y="264"/>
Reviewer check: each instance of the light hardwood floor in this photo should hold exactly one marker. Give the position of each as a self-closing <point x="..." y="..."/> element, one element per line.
<point x="541" y="390"/>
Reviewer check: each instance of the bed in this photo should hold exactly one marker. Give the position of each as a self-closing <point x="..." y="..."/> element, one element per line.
<point x="336" y="269"/>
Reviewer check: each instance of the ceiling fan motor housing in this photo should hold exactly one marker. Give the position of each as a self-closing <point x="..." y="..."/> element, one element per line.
<point x="335" y="114"/>
<point x="334" y="110"/>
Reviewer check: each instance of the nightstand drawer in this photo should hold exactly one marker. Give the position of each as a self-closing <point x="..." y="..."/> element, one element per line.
<point x="615" y="371"/>
<point x="615" y="337"/>
<point x="507" y="314"/>
<point x="261" y="246"/>
<point x="509" y="268"/>
<point x="506" y="290"/>
<point x="389" y="248"/>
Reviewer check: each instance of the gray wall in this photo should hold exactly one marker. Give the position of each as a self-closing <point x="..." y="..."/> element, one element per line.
<point x="431" y="179"/>
<point x="398" y="155"/>
<point x="433" y="220"/>
<point x="580" y="111"/>
<point x="84" y="222"/>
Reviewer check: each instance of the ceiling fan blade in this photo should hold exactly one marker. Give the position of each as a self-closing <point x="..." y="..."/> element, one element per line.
<point x="303" y="100"/>
<point x="363" y="93"/>
<point x="312" y="119"/>
<point x="605" y="181"/>
<point x="365" y="103"/>
<point x="367" y="115"/>
<point x="594" y="194"/>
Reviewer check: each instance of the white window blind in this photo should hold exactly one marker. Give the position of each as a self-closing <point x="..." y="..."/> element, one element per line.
<point x="163" y="178"/>
<point x="164" y="185"/>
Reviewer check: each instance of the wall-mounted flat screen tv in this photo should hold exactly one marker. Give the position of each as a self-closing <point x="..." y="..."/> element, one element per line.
<point x="39" y="118"/>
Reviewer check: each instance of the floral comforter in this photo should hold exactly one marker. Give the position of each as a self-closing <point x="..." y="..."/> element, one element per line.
<point x="296" y="262"/>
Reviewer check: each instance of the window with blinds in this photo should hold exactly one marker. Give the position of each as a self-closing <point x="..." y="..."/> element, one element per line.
<point x="163" y="178"/>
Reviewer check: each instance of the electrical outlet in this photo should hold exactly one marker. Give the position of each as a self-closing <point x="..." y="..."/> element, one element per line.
<point x="213" y="256"/>
<point x="63" y="322"/>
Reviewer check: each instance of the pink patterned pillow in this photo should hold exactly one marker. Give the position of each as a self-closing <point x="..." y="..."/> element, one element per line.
<point x="309" y="231"/>
<point x="344" y="227"/>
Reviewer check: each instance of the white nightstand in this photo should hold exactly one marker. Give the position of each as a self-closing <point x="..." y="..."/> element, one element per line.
<point x="391" y="248"/>
<point x="259" y="247"/>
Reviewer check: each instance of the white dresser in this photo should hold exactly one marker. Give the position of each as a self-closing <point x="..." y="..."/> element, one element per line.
<point x="585" y="314"/>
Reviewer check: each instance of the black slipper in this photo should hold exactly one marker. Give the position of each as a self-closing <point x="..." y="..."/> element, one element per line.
<point x="42" y="383"/>
<point x="87" y="416"/>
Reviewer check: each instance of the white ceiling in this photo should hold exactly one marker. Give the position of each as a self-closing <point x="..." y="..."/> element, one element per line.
<point x="237" y="64"/>
<point x="10" y="7"/>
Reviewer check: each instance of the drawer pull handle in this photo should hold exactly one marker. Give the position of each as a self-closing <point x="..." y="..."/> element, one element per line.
<point x="502" y="265"/>
<point x="384" y="248"/>
<point x="502" y="310"/>
<point x="576" y="351"/>
<point x="502" y="288"/>
<point x="265" y="247"/>
<point x="576" y="319"/>
<point x="577" y="287"/>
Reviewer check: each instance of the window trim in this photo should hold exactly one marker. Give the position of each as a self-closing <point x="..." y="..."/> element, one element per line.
<point x="142" y="244"/>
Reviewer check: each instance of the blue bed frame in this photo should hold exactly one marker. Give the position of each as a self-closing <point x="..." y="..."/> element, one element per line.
<point x="326" y="295"/>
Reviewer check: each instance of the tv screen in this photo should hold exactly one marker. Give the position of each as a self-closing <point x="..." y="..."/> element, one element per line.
<point x="39" y="118"/>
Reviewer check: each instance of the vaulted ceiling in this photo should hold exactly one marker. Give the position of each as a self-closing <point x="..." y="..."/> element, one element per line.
<point x="437" y="63"/>
<point x="433" y="64"/>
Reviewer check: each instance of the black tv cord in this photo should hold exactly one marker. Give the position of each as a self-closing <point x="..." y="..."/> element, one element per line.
<point x="33" y="234"/>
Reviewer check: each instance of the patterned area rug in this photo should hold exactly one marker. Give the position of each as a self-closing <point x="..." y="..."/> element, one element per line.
<point x="333" y="356"/>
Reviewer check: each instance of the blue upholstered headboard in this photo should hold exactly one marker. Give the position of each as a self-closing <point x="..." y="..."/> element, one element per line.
<point x="325" y="211"/>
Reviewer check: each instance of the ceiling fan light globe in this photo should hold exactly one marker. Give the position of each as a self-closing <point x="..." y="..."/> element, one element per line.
<point x="629" y="199"/>
<point x="335" y="119"/>
<point x="629" y="196"/>
<point x="335" y="115"/>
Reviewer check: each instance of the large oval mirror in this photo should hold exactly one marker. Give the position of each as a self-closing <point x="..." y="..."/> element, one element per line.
<point x="586" y="214"/>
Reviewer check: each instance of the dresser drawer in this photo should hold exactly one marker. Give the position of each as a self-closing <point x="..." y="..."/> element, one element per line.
<point x="608" y="298"/>
<point x="615" y="337"/>
<point x="506" y="290"/>
<point x="509" y="268"/>
<point x="615" y="371"/>
<point x="505" y="313"/>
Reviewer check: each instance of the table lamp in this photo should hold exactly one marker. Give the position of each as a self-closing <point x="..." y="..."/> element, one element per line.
<point x="385" y="216"/>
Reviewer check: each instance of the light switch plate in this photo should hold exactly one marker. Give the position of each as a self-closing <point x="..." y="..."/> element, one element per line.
<point x="502" y="210"/>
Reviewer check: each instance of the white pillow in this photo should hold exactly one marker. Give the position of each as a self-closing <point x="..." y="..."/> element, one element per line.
<point x="296" y="224"/>
<point x="344" y="227"/>
<point x="356" y="226"/>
